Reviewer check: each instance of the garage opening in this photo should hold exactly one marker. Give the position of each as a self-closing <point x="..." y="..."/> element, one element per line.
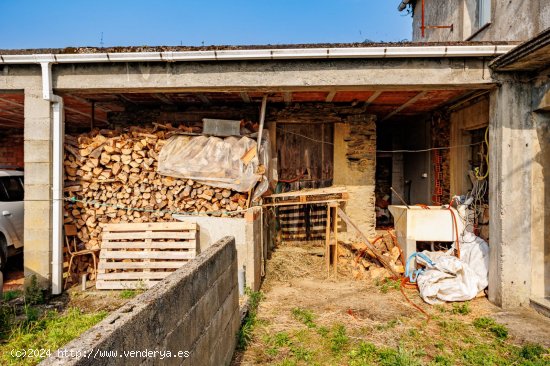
<point x="337" y="147"/>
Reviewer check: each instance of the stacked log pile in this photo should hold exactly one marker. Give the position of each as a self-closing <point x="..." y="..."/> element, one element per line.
<point x="363" y="262"/>
<point x="117" y="170"/>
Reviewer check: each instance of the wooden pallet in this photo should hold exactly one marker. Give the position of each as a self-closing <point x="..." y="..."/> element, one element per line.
<point x="138" y="255"/>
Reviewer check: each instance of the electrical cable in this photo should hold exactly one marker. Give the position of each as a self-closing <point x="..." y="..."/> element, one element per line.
<point x="387" y="151"/>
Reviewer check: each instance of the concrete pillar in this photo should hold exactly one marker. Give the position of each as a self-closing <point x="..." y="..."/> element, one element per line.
<point x="510" y="185"/>
<point x="38" y="186"/>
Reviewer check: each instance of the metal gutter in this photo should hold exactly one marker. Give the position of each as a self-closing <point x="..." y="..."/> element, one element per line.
<point x="265" y="54"/>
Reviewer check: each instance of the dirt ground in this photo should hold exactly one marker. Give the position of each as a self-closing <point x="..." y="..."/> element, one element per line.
<point x="88" y="301"/>
<point x="304" y="312"/>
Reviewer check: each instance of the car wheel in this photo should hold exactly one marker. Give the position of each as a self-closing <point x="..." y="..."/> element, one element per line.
<point x="3" y="252"/>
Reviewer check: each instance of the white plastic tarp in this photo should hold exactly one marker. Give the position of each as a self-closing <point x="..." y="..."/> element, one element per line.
<point x="448" y="278"/>
<point x="214" y="161"/>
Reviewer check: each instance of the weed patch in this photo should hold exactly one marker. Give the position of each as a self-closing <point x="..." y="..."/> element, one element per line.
<point x="246" y="331"/>
<point x="305" y="316"/>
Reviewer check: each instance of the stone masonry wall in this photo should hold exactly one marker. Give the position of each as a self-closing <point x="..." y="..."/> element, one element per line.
<point x="194" y="311"/>
<point x="355" y="167"/>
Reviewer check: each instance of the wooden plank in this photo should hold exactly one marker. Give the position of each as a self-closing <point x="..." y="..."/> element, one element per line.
<point x="124" y="254"/>
<point x="140" y="265"/>
<point x="133" y="275"/>
<point x="302" y="203"/>
<point x="310" y="192"/>
<point x="163" y="226"/>
<point x="189" y="244"/>
<point x="151" y="235"/>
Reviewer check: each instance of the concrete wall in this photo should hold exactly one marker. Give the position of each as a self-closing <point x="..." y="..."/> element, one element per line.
<point x="510" y="20"/>
<point x="511" y="137"/>
<point x="196" y="309"/>
<point x="248" y="239"/>
<point x="540" y="250"/>
<point x="354" y="167"/>
<point x="11" y="149"/>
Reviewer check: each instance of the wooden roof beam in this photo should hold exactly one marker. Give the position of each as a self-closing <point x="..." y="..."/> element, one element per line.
<point x="405" y="105"/>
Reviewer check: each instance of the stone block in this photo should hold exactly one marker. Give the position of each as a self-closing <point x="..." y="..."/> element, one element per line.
<point x="38" y="151"/>
<point x="38" y="173"/>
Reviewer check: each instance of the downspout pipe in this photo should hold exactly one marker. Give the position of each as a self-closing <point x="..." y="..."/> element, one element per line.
<point x="57" y="176"/>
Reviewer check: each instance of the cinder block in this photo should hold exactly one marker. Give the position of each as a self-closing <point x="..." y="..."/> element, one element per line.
<point x="37" y="214"/>
<point x="38" y="128"/>
<point x="37" y="262"/>
<point x="37" y="239"/>
<point x="38" y="173"/>
<point x="38" y="151"/>
<point x="37" y="192"/>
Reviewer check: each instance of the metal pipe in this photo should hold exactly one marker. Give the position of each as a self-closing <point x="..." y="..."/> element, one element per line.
<point x="57" y="176"/>
<point x="264" y="54"/>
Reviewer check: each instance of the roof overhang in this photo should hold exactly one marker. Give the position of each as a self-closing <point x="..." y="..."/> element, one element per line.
<point x="531" y="55"/>
<point x="438" y="51"/>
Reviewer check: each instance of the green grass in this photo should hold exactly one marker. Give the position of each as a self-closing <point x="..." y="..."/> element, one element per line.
<point x="128" y="294"/>
<point x="388" y="284"/>
<point x="339" y="339"/>
<point x="304" y="316"/>
<point x="43" y="331"/>
<point x="452" y="340"/>
<point x="489" y="324"/>
<point x="11" y="294"/>
<point x="461" y="308"/>
<point x="245" y="334"/>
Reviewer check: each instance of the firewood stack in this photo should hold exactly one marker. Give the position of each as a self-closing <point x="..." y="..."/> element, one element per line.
<point x="363" y="262"/>
<point x="118" y="170"/>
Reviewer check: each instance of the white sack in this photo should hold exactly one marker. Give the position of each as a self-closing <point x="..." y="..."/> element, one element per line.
<point x="448" y="278"/>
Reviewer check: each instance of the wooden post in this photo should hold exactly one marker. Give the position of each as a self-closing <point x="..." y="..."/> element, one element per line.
<point x="327" y="240"/>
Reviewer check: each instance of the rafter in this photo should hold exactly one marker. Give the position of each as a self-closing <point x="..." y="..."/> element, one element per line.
<point x="203" y="98"/>
<point x="405" y="105"/>
<point x="245" y="97"/>
<point x="330" y="96"/>
<point x="8" y="101"/>
<point x="287" y="97"/>
<point x="163" y="98"/>
<point x="373" y="97"/>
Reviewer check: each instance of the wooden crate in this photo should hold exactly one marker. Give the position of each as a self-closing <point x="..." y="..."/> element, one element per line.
<point x="138" y="255"/>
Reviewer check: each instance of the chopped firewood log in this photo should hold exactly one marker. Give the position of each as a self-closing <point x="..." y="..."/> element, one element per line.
<point x="115" y="172"/>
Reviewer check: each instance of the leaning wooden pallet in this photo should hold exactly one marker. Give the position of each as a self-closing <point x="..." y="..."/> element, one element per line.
<point x="139" y="255"/>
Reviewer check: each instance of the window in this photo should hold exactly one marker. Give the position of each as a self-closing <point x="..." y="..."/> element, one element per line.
<point x="483" y="13"/>
<point x="11" y="189"/>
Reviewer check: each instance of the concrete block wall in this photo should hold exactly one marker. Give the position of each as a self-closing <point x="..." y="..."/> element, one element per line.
<point x="11" y="149"/>
<point x="247" y="232"/>
<point x="193" y="312"/>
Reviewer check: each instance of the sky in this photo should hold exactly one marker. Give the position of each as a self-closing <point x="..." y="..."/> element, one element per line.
<point x="58" y="23"/>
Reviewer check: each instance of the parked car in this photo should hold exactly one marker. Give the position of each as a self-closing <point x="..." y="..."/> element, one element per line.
<point x="11" y="214"/>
